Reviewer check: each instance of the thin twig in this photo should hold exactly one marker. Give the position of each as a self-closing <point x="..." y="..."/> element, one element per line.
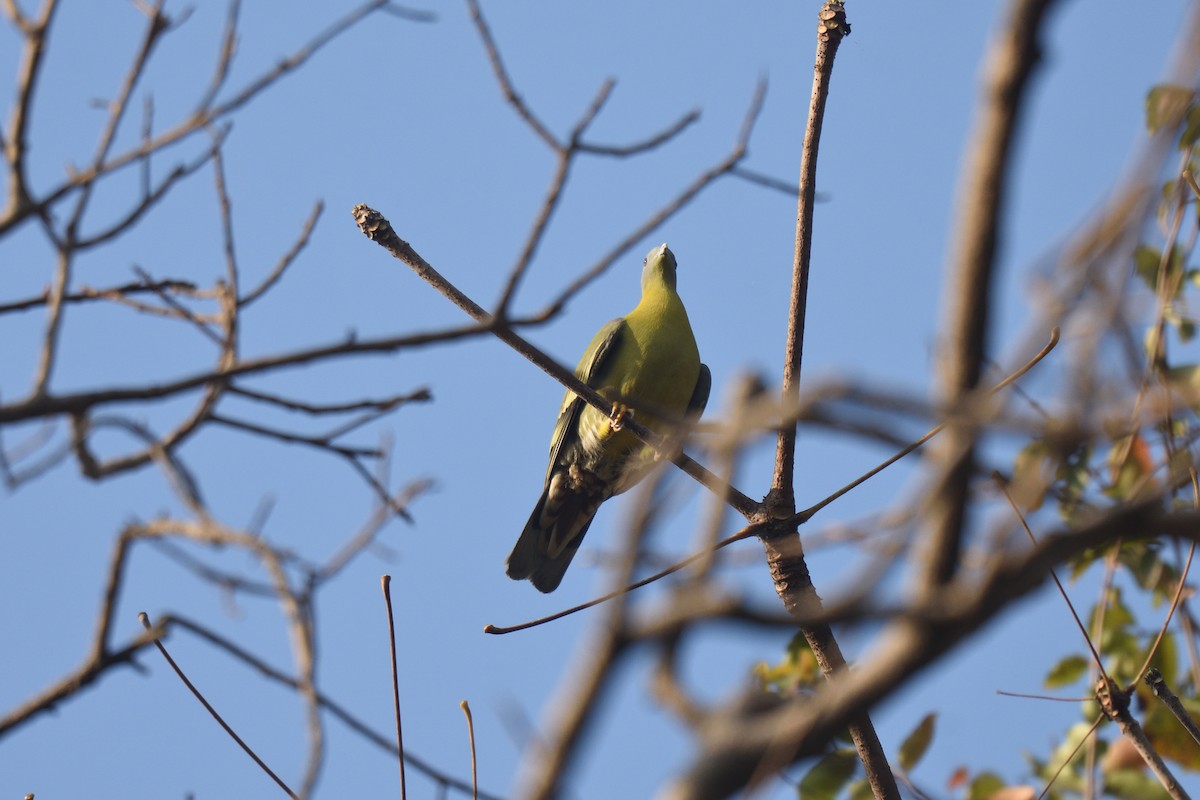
<point x="67" y="248"/>
<point x="200" y="120"/>
<point x="807" y="513"/>
<point x="367" y="535"/>
<point x="466" y="709"/>
<point x="174" y="308"/>
<point x="1162" y="631"/>
<point x="645" y="145"/>
<point x="506" y="87"/>
<point x="1099" y="662"/>
<point x="670" y="209"/>
<point x="386" y="582"/>
<point x="287" y="259"/>
<point x="144" y="618"/>
<point x="1154" y="679"/>
<point x="752" y="176"/>
<point x="323" y="442"/>
<point x="500" y="629"/>
<point x="1051" y="698"/>
<point x="382" y="741"/>
<point x="87" y="294"/>
<point x="421" y="395"/>
<point x="1075" y="751"/>
<point x="151" y="196"/>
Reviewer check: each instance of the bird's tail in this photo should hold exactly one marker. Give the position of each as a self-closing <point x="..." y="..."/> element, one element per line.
<point x="550" y="540"/>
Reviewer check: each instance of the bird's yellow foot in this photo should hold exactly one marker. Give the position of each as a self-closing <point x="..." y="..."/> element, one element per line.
<point x="620" y="413"/>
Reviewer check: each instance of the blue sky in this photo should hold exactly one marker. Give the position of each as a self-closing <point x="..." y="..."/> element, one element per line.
<point x="407" y="118"/>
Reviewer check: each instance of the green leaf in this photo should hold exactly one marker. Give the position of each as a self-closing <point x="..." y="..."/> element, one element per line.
<point x="1187" y="330"/>
<point x="828" y="776"/>
<point x="797" y="669"/>
<point x="984" y="786"/>
<point x="1145" y="265"/>
<point x="1143" y="559"/>
<point x="1082" y="562"/>
<point x="1166" y="105"/>
<point x="1191" y="128"/>
<point x="1168" y="737"/>
<point x="1184" y="381"/>
<point x="1147" y="261"/>
<point x="1073" y="479"/>
<point x="1130" y="465"/>
<point x="1070" y="744"/>
<point x="1117" y="615"/>
<point x="1066" y="672"/>
<point x="1133" y="784"/>
<point x="917" y="743"/>
<point x="861" y="790"/>
<point x="1032" y="474"/>
<point x="1166" y="659"/>
<point x="1150" y="344"/>
<point x="1123" y="655"/>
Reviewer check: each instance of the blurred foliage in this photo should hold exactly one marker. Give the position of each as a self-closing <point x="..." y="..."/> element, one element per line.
<point x="1146" y="456"/>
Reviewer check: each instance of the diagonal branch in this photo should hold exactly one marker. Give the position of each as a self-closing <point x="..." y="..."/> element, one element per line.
<point x="971" y="267"/>
<point x="506" y="86"/>
<point x="199" y="120"/>
<point x="565" y="151"/>
<point x="687" y="195"/>
<point x="376" y="228"/>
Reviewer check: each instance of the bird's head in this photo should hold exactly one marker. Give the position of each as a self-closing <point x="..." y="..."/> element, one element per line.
<point x="659" y="266"/>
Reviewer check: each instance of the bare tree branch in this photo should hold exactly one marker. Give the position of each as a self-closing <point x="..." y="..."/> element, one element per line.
<point x="735" y="742"/>
<point x="1115" y="703"/>
<point x="76" y="402"/>
<point x="205" y="115"/>
<point x="16" y="144"/>
<point x="1010" y="65"/>
<point x="379" y="230"/>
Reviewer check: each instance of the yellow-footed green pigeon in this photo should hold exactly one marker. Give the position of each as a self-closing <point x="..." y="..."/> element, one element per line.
<point x="646" y="363"/>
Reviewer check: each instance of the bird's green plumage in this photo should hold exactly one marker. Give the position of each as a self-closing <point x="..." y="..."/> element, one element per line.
<point x="646" y="361"/>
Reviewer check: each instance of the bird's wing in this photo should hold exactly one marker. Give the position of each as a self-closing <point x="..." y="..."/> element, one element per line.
<point x="604" y="344"/>
<point x="700" y="393"/>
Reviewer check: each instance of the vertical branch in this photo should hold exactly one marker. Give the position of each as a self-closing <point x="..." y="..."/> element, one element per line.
<point x="62" y="275"/>
<point x="831" y="29"/>
<point x="386" y="582"/>
<point x="970" y="270"/>
<point x="16" y="147"/>
<point x="781" y="542"/>
<point x="466" y="709"/>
